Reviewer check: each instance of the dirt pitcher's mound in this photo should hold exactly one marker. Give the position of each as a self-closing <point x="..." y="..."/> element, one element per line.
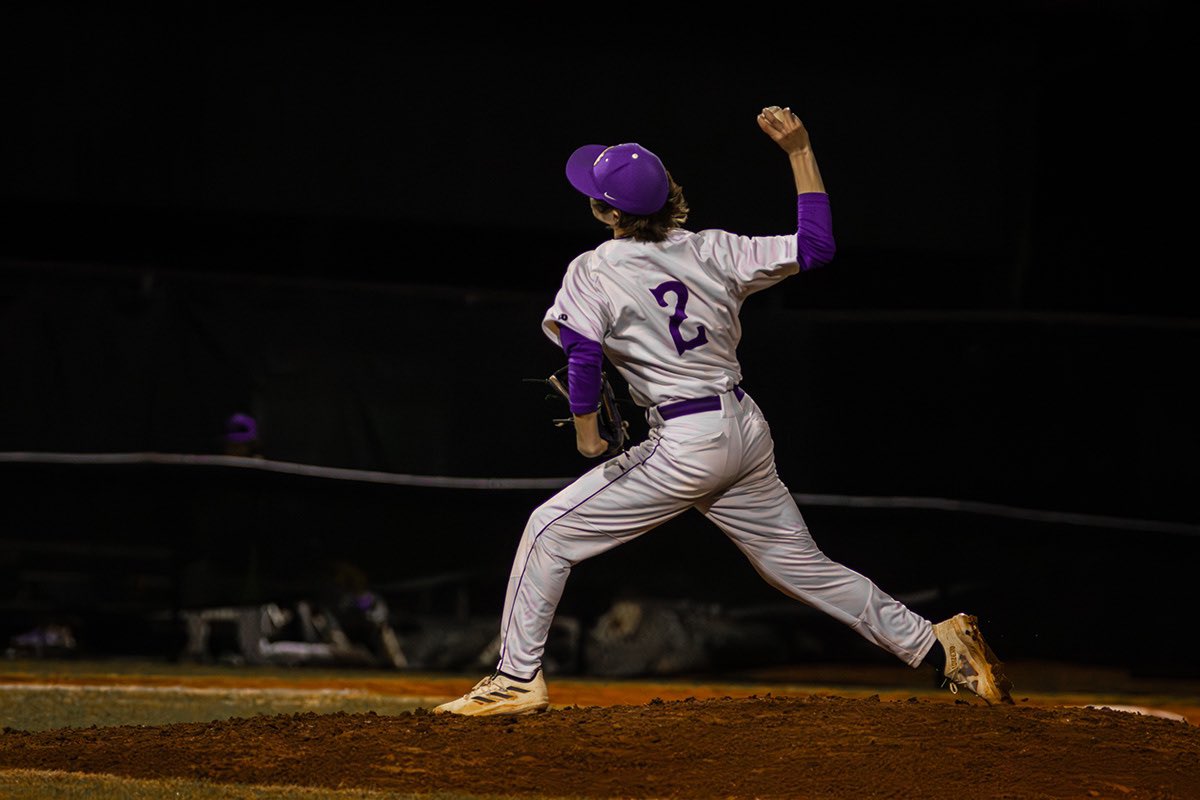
<point x="816" y="747"/>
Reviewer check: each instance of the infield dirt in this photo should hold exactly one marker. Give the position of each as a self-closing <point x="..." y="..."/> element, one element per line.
<point x="758" y="746"/>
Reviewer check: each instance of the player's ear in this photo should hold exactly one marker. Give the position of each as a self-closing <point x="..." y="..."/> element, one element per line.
<point x="605" y="213"/>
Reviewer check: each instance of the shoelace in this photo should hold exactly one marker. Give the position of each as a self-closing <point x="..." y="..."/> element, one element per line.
<point x="483" y="687"/>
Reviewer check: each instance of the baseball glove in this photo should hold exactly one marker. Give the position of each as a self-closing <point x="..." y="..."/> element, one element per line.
<point x="612" y="428"/>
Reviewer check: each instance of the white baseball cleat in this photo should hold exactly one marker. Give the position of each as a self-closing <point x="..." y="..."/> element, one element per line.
<point x="500" y="694"/>
<point x="970" y="663"/>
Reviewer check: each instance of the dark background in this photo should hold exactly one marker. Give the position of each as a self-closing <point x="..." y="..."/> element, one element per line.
<point x="349" y="222"/>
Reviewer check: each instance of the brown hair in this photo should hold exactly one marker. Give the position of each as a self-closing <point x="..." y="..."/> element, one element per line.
<point x="652" y="227"/>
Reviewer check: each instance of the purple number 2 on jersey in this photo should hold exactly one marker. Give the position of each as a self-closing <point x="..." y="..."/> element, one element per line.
<point x="677" y="318"/>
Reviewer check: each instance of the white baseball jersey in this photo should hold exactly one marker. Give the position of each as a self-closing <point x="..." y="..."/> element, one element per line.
<point x="666" y="313"/>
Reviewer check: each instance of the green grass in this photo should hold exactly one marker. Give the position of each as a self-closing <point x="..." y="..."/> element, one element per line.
<point x="42" y="707"/>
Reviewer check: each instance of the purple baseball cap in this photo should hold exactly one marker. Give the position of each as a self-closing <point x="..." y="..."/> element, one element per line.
<point x="626" y="176"/>
<point x="241" y="428"/>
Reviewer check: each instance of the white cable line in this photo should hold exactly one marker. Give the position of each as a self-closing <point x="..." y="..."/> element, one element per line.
<point x="288" y="467"/>
<point x="451" y="482"/>
<point x="996" y="510"/>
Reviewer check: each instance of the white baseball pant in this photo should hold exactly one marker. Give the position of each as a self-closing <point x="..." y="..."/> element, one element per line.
<point x="724" y="465"/>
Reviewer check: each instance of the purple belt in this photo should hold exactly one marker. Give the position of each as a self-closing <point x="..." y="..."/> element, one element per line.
<point x="695" y="406"/>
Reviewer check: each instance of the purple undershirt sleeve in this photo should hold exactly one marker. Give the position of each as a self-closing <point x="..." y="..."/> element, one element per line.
<point x="584" y="359"/>
<point x="814" y="230"/>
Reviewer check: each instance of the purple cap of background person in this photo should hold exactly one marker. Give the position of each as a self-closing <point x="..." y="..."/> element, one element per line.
<point x="626" y="176"/>
<point x="241" y="428"/>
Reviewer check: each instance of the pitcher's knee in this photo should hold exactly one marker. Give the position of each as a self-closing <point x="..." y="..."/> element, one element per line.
<point x="541" y="532"/>
<point x="542" y="518"/>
